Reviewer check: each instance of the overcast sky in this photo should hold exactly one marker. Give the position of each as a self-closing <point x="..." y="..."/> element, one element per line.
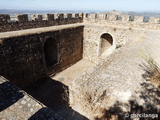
<point x="122" y="5"/>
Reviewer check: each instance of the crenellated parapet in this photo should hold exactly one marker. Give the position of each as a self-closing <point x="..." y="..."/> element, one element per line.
<point x="154" y="20"/>
<point x="4" y="18"/>
<point x="24" y="21"/>
<point x="122" y="20"/>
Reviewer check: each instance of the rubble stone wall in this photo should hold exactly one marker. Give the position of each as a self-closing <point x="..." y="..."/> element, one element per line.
<point x="21" y="22"/>
<point x="23" y="59"/>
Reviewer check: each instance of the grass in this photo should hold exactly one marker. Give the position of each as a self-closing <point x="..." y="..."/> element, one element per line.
<point x="151" y="68"/>
<point x="91" y="100"/>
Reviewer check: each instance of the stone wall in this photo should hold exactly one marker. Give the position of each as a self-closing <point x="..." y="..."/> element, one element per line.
<point x="122" y="20"/>
<point x="118" y="79"/>
<point x="22" y="21"/>
<point x="23" y="60"/>
<point x="92" y="41"/>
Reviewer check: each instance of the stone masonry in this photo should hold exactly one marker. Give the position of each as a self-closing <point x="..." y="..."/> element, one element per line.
<point x="31" y="51"/>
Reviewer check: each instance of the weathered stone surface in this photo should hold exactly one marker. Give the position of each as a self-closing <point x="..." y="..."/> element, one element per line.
<point x="102" y="16"/>
<point x="154" y="20"/>
<point x="118" y="82"/>
<point x="91" y="16"/>
<point x="37" y="17"/>
<point x="92" y="34"/>
<point x="138" y="19"/>
<point x="4" y="18"/>
<point x="22" y="18"/>
<point x="112" y="17"/>
<point x="27" y="56"/>
<point x="16" y="104"/>
<point x="126" y="18"/>
<point x="60" y="16"/>
<point x="58" y="19"/>
<point x="69" y="16"/>
<point x="50" y="17"/>
<point x="23" y="23"/>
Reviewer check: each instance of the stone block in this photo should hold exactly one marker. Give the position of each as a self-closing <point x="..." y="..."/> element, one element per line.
<point x="154" y="20"/>
<point x="49" y="17"/>
<point x="102" y="16"/>
<point x="77" y="15"/>
<point x="138" y="19"/>
<point x="80" y="15"/>
<point x="4" y="18"/>
<point x="112" y="17"/>
<point x="60" y="16"/>
<point x="126" y="18"/>
<point x="22" y="18"/>
<point x="92" y="16"/>
<point x="37" y="17"/>
<point x="69" y="15"/>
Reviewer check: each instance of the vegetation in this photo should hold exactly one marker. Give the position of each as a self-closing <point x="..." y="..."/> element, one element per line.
<point x="151" y="67"/>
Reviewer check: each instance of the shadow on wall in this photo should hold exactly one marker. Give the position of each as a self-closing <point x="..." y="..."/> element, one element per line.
<point x="106" y="42"/>
<point x="51" y="52"/>
<point x="48" y="114"/>
<point x="9" y="94"/>
<point x="45" y="114"/>
<point x="54" y="95"/>
<point x="50" y="92"/>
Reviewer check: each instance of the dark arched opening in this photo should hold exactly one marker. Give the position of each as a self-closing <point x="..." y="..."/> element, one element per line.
<point x="50" y="52"/>
<point x="106" y="42"/>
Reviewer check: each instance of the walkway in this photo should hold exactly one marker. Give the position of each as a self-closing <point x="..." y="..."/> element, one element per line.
<point x="68" y="75"/>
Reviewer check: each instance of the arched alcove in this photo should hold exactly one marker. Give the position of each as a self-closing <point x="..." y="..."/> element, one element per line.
<point x="106" y="41"/>
<point x="51" y="52"/>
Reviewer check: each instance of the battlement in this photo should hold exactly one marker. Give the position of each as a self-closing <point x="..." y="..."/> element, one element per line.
<point x="5" y="18"/>
<point x="24" y="21"/>
<point x="123" y="20"/>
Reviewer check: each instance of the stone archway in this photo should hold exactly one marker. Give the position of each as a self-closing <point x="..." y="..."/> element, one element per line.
<point x="51" y="52"/>
<point x="106" y="41"/>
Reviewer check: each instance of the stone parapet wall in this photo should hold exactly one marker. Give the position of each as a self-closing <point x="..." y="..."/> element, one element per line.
<point x="23" y="57"/>
<point x="122" y="20"/>
<point x="22" y="21"/>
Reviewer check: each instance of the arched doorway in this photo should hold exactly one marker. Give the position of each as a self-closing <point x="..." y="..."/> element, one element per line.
<point x="106" y="41"/>
<point x="51" y="52"/>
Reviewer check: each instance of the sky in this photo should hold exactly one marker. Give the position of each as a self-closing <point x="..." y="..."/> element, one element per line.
<point x="121" y="5"/>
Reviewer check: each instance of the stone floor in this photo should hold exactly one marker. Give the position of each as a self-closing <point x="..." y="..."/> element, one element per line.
<point x="73" y="72"/>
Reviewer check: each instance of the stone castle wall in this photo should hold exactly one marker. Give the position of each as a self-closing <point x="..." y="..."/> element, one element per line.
<point x="22" y="21"/>
<point x="121" y="27"/>
<point x="122" y="20"/>
<point x="92" y="41"/>
<point x="22" y="55"/>
<point x="23" y="58"/>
